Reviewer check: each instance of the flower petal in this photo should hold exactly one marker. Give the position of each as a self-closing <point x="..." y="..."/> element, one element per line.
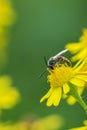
<point x="80" y="65"/>
<point x="46" y="95"/>
<point x="66" y="88"/>
<point x="74" y="47"/>
<point x="80" y="128"/>
<point x="77" y="82"/>
<point x="82" y="77"/>
<point x="81" y="55"/>
<point x="55" y="97"/>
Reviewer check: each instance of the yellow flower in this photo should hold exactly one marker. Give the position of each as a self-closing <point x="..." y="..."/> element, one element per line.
<point x="7" y="18"/>
<point x="60" y="80"/>
<point x="9" y="95"/>
<point x="51" y="122"/>
<point x="79" y="49"/>
<point x="82" y="127"/>
<point x="71" y="100"/>
<point x="7" y="14"/>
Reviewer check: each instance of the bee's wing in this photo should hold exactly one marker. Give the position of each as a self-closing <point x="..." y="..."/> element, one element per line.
<point x="60" y="53"/>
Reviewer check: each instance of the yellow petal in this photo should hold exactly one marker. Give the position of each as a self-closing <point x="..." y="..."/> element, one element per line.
<point x="81" y="55"/>
<point x="82" y="77"/>
<point x="77" y="64"/>
<point x="74" y="47"/>
<point x="80" y="65"/>
<point x="55" y="97"/>
<point x="77" y="82"/>
<point x="82" y="73"/>
<point x="66" y="88"/>
<point x="46" y="95"/>
<point x="50" y="99"/>
<point x="80" y="128"/>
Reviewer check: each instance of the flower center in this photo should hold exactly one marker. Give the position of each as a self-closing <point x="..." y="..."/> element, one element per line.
<point x="60" y="75"/>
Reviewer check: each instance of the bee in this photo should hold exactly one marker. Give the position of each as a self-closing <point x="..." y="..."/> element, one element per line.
<point x="56" y="59"/>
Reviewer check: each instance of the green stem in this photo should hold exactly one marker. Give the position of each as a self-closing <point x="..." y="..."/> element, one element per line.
<point x="82" y="103"/>
<point x="73" y="92"/>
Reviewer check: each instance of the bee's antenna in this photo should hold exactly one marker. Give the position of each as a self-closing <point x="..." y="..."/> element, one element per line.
<point x="45" y="60"/>
<point x="42" y="73"/>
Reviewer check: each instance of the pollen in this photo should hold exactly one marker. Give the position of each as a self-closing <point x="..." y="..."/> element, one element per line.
<point x="60" y="75"/>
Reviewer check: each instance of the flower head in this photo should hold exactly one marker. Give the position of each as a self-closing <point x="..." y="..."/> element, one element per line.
<point x="7" y="18"/>
<point x="50" y="122"/>
<point x="79" y="49"/>
<point x="7" y="13"/>
<point x="9" y="95"/>
<point x="61" y="78"/>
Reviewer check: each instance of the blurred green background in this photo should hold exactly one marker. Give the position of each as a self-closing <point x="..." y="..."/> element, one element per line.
<point x="43" y="28"/>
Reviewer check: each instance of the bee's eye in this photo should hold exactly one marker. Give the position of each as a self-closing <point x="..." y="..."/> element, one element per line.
<point x="50" y="67"/>
<point x="52" y="61"/>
